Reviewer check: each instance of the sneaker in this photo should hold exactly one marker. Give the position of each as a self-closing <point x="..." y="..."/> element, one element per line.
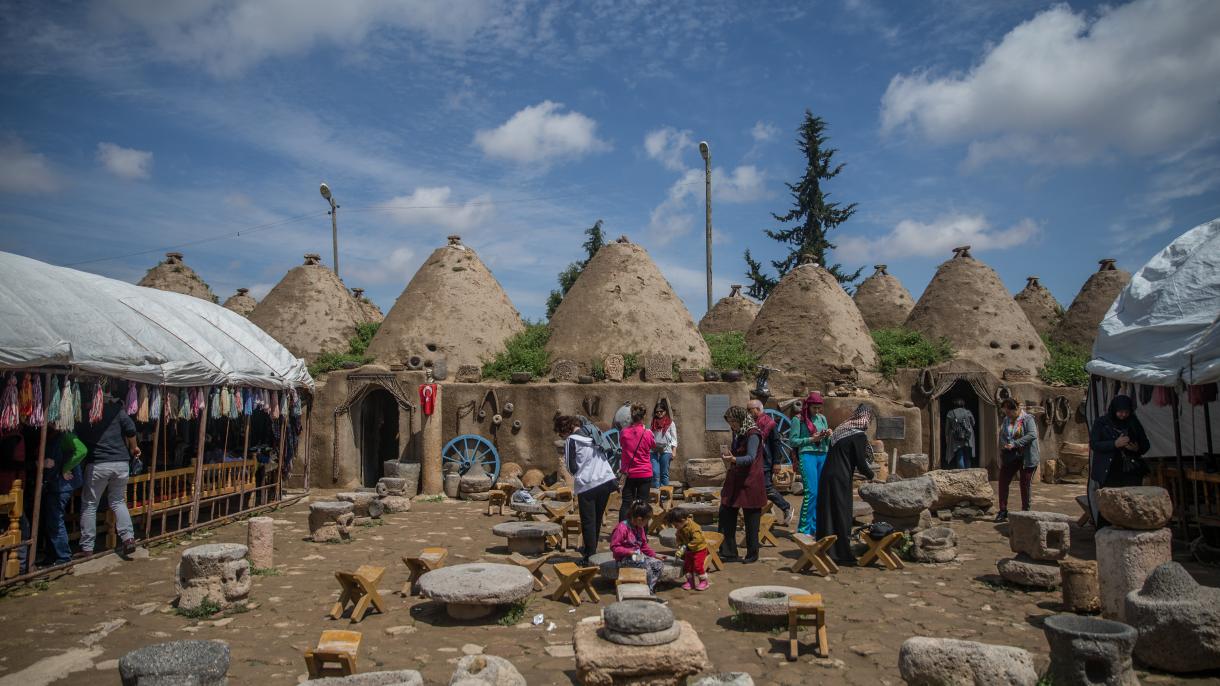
<point x="749" y="559"/>
<point x="687" y="586"/>
<point x="82" y="554"/>
<point x="702" y="585"/>
<point x="1001" y="516"/>
<point x="788" y="516"/>
<point x="127" y="547"/>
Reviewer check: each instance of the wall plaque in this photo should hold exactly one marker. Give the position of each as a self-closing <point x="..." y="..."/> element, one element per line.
<point x="714" y="409"/>
<point x="891" y="428"/>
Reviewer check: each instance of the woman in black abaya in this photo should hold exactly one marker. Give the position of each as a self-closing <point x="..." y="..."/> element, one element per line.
<point x="850" y="452"/>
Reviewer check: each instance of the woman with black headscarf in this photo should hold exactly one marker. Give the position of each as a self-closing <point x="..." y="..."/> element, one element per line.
<point x="850" y="451"/>
<point x="1117" y="441"/>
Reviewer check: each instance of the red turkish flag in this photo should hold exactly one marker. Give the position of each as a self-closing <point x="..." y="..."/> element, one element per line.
<point x="427" y="397"/>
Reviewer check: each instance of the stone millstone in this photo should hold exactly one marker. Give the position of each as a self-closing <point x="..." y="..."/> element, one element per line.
<point x="401" y="677"/>
<point x="726" y="679"/>
<point x="938" y="544"/>
<point x="650" y="638"/>
<point x="364" y="504"/>
<point x="1125" y="558"/>
<point x="940" y="661"/>
<point x="1178" y="621"/>
<point x="391" y="485"/>
<point x="1137" y="507"/>
<point x="1089" y="650"/>
<point x="477" y="584"/>
<point x="912" y="465"/>
<point x="905" y="498"/>
<point x="198" y="662"/>
<point x="956" y="486"/>
<point x="638" y="617"/>
<point x="1040" y="535"/>
<point x="602" y="663"/>
<point x="763" y="601"/>
<point x="1024" y="571"/>
<point x="671" y="569"/>
<point x="486" y="669"/>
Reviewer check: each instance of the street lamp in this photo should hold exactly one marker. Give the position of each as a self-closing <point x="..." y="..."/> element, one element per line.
<point x="334" y="223"/>
<point x="706" y="152"/>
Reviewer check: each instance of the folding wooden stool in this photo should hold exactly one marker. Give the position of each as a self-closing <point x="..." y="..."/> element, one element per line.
<point x="765" y="536"/>
<point x="555" y="511"/>
<point x="813" y="554"/>
<point x="335" y="654"/>
<point x="807" y="610"/>
<point x="360" y="590"/>
<point x="563" y="494"/>
<point x="427" y="560"/>
<point x="880" y="550"/>
<point x="713" y="539"/>
<point x="573" y="581"/>
<point x="657" y="521"/>
<point x="534" y="566"/>
<point x="571" y="527"/>
<point x="497" y="499"/>
<point x="666" y="494"/>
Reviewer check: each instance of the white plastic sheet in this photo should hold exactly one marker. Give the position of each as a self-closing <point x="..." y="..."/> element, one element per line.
<point x="55" y="316"/>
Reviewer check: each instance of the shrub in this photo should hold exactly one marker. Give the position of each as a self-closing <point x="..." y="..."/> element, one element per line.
<point x="524" y="352"/>
<point x="356" y="347"/>
<point x="729" y="352"/>
<point x="897" y="348"/>
<point x="1066" y="365"/>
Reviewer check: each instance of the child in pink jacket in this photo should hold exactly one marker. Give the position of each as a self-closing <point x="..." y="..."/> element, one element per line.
<point x="629" y="544"/>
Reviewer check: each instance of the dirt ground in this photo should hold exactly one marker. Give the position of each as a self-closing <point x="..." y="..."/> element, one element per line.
<point x="72" y="630"/>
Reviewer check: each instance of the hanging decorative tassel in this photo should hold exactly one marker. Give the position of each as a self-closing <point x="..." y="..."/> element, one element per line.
<point x="275" y="405"/>
<point x="214" y="404"/>
<point x="8" y="410"/>
<point x="67" y="408"/>
<point x="142" y="404"/>
<point x="224" y="402"/>
<point x="235" y="404"/>
<point x="98" y="404"/>
<point x="53" y="406"/>
<point x="184" y="410"/>
<point x="201" y="402"/>
<point x="25" y="398"/>
<point x="169" y="408"/>
<point x="78" y="402"/>
<point x="154" y="405"/>
<point x="284" y="404"/>
<point x="39" y="416"/>
<point x="248" y="402"/>
<point x="132" y="406"/>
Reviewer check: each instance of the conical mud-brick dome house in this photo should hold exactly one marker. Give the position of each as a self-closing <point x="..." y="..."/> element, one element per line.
<point x="621" y="304"/>
<point x="810" y="329"/>
<point x="1080" y="322"/>
<point x="968" y="304"/>
<point x="173" y="275"/>
<point x="734" y="312"/>
<point x="1039" y="305"/>
<point x="309" y="311"/>
<point x="372" y="313"/>
<point x="883" y="301"/>
<point x="453" y="309"/>
<point x="241" y="302"/>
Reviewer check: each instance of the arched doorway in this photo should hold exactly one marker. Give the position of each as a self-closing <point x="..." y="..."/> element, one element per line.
<point x="378" y="437"/>
<point x="964" y="392"/>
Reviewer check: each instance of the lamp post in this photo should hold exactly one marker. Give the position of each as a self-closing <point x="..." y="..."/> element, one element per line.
<point x="706" y="152"/>
<point x="334" y="223"/>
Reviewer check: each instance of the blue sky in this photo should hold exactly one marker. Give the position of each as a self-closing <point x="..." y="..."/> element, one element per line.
<point x="1046" y="135"/>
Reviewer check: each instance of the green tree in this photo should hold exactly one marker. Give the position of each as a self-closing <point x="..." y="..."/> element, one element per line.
<point x="812" y="215"/>
<point x="596" y="239"/>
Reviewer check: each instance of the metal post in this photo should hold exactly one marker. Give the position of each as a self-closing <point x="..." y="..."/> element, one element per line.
<point x="707" y="194"/>
<point x="334" y="233"/>
<point x="1184" y="526"/>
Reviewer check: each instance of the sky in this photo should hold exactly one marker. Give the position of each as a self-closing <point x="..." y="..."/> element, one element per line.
<point x="1046" y="135"/>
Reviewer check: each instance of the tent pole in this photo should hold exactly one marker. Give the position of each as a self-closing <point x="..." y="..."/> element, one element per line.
<point x="279" y="467"/>
<point x="1207" y="430"/>
<point x="32" y="554"/>
<point x="305" y="431"/>
<point x="1177" y="448"/>
<point x="203" y="428"/>
<point x="150" y="507"/>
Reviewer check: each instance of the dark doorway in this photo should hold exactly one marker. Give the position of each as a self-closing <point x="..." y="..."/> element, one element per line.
<point x="378" y="433"/>
<point x="961" y="390"/>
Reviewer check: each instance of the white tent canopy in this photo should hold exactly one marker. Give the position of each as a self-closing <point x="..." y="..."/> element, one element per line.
<point x="1164" y="328"/>
<point x="59" y="317"/>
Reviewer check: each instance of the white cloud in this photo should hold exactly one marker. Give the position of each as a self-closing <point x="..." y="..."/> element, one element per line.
<point x="764" y="131"/>
<point x="667" y="145"/>
<point x="911" y="238"/>
<point x="25" y="171"/>
<point x="1185" y="178"/>
<point x="1062" y="87"/>
<point x="228" y="36"/>
<point x="394" y="268"/>
<point x="260" y="290"/>
<point x="676" y="215"/>
<point x="432" y="206"/>
<point x="125" y="163"/>
<point x="745" y="184"/>
<point x="541" y="133"/>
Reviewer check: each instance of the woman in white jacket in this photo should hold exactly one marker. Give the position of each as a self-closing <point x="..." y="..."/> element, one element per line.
<point x="593" y="479"/>
<point x="665" y="433"/>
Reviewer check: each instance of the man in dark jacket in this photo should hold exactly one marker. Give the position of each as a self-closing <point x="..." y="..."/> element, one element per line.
<point x="773" y="450"/>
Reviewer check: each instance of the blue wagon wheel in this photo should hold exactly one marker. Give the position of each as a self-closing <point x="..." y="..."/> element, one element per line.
<point x="467" y="449"/>
<point x="782" y="424"/>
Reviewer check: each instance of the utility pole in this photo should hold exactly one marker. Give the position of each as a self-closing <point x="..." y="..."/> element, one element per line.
<point x="706" y="152"/>
<point x="334" y="223"/>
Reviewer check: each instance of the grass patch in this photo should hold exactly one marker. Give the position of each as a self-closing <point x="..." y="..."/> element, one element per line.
<point x="265" y="571"/>
<point x="438" y="498"/>
<point x="515" y="613"/>
<point x="357" y="347"/>
<point x="631" y="364"/>
<point x="41" y="585"/>
<point x="899" y="348"/>
<point x="1066" y="365"/>
<point x="729" y="352"/>
<point x="206" y="609"/>
<point x="372" y="523"/>
<point x="524" y="352"/>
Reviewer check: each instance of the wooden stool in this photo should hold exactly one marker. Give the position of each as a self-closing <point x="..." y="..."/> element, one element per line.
<point x="1086" y="519"/>
<point x="571" y="526"/>
<point x="534" y="565"/>
<point x="657" y="521"/>
<point x="666" y="494"/>
<point x="714" y="539"/>
<point x="563" y="494"/>
<point x="359" y="589"/>
<point x="335" y="654"/>
<point x="807" y="610"/>
<point x="654" y="497"/>
<point x="765" y="537"/>
<point x="554" y="512"/>
<point x="631" y="575"/>
<point x="573" y="581"/>
<point x="496" y="499"/>
<point x="813" y="554"/>
<point x="880" y="550"/>
<point x="427" y="560"/>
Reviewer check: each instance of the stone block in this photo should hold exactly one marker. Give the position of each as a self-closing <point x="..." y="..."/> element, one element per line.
<point x="614" y="367"/>
<point x="1079" y="578"/>
<point x="469" y="373"/>
<point x="391" y="486"/>
<point x="926" y="661"/>
<point x="658" y="368"/>
<point x="1089" y="650"/>
<point x="394" y="504"/>
<point x="602" y="663"/>
<point x="1125" y="558"/>
<point x="905" y="498"/>
<point x="1040" y="535"/>
<point x="1178" y="621"/>
<point x="1025" y="571"/>
<point x="912" y="465"/>
<point x="936" y="544"/>
<point x="196" y="662"/>
<point x="687" y="375"/>
<point x="671" y="571"/>
<point x="1145" y="508"/>
<point x="364" y="504"/>
<point x="488" y="670"/>
<point x="705" y="471"/>
<point x="401" y="677"/>
<point x="215" y="572"/>
<point x="330" y="521"/>
<point x="956" y="486"/>
<point x="565" y="371"/>
<point x="260" y="539"/>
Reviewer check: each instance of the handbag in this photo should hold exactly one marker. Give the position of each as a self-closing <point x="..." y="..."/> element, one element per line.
<point x="879" y="530"/>
<point x="136" y="467"/>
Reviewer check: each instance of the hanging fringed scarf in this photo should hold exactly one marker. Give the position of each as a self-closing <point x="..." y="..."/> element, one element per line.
<point x="201" y="402"/>
<point x="78" y="401"/>
<point x="170" y="406"/>
<point x="296" y="402"/>
<point x="25" y="398"/>
<point x="39" y="416"/>
<point x="53" y="406"/>
<point x="224" y="402"/>
<point x="132" y="405"/>
<point x="248" y="402"/>
<point x="67" y="408"/>
<point x="142" y="404"/>
<point x="214" y="404"/>
<point x="284" y="406"/>
<point x="98" y="404"/>
<point x="155" y="405"/>
<point x="275" y="405"/>
<point x="184" y="410"/>
<point x="8" y="409"/>
<point x="235" y="404"/>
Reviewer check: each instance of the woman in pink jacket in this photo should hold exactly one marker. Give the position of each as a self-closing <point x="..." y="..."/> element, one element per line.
<point x="636" y="441"/>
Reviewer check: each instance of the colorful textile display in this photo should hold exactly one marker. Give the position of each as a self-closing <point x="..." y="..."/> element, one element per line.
<point x="8" y="406"/>
<point x="25" y="398"/>
<point x="98" y="404"/>
<point x="155" y="405"/>
<point x="142" y="402"/>
<point x="132" y="405"/>
<point x="53" y="406"/>
<point x="38" y="416"/>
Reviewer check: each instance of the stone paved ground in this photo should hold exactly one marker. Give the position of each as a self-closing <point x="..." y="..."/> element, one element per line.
<point x="68" y="630"/>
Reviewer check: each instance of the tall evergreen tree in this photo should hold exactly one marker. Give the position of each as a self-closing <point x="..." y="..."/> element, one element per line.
<point x="594" y="242"/>
<point x="812" y="215"/>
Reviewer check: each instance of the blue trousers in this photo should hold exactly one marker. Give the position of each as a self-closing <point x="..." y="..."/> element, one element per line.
<point x="660" y="468"/>
<point x="962" y="458"/>
<point x="811" y="474"/>
<point x="54" y="506"/>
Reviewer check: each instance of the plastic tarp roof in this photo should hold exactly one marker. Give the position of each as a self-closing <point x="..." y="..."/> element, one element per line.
<point x="1165" y="325"/>
<point x="54" y="316"/>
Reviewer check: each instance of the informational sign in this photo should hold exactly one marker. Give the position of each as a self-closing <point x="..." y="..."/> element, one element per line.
<point x="714" y="408"/>
<point x="891" y="428"/>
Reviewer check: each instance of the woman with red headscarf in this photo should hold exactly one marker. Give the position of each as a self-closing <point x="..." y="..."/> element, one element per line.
<point x="810" y="438"/>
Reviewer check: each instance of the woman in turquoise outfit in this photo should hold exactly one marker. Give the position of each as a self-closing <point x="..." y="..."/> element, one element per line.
<point x="810" y="438"/>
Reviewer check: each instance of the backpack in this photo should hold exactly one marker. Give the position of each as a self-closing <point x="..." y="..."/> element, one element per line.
<point x="959" y="428"/>
<point x="607" y="445"/>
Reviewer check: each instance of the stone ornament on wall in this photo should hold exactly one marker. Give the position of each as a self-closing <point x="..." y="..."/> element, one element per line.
<point x="658" y="368"/>
<point x="614" y="367"/>
<point x="565" y="371"/>
<point x="469" y="373"/>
